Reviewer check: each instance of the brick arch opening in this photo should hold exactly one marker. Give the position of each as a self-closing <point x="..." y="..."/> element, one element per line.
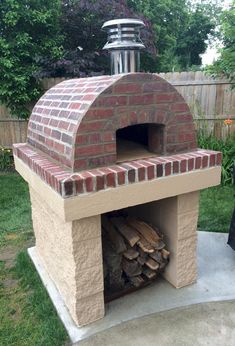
<point x="139" y="141"/>
<point x="75" y="122"/>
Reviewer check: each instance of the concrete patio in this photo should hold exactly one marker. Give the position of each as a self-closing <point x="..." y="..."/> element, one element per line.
<point x="216" y="278"/>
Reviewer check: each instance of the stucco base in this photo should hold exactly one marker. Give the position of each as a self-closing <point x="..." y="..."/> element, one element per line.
<point x="72" y="255"/>
<point x="176" y="218"/>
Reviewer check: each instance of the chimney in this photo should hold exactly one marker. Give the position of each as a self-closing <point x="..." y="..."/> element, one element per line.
<point x="124" y="44"/>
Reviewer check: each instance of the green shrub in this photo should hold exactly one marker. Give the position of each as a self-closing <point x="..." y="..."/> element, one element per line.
<point x="227" y="147"/>
<point x="6" y="160"/>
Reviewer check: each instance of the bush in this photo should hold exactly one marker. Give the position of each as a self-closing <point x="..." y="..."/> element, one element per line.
<point x="227" y="147"/>
<point x="6" y="160"/>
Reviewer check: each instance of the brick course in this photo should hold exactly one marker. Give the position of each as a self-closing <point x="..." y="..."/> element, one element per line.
<point x="75" y="122"/>
<point x="69" y="184"/>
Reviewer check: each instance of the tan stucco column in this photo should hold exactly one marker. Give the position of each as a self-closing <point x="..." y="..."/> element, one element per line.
<point x="176" y="218"/>
<point x="72" y="254"/>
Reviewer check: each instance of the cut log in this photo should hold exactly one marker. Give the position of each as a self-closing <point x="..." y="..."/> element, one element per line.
<point x="152" y="264"/>
<point x="160" y="245"/>
<point x="141" y="260"/>
<point x="165" y="254"/>
<point x="137" y="281"/>
<point x="131" y="254"/>
<point x="144" y="245"/>
<point x="127" y="232"/>
<point x="149" y="273"/>
<point x="145" y="230"/>
<point x="131" y="268"/>
<point x="114" y="236"/>
<point x="157" y="256"/>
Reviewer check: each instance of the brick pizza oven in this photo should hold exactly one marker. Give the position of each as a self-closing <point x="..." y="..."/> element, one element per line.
<point x="101" y="144"/>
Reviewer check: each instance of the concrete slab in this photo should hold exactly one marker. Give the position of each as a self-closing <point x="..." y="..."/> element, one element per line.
<point x="216" y="277"/>
<point x="210" y="324"/>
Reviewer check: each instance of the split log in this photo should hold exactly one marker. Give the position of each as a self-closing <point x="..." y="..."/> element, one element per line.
<point x="145" y="230"/>
<point x="144" y="245"/>
<point x="152" y="264"/>
<point x="165" y="254"/>
<point x="127" y="232"/>
<point x="149" y="273"/>
<point x="160" y="245"/>
<point x="137" y="281"/>
<point x="131" y="254"/>
<point x="114" y="236"/>
<point x="131" y="268"/>
<point x="157" y="256"/>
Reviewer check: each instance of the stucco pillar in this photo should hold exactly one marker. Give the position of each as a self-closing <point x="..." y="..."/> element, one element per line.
<point x="176" y="218"/>
<point x="72" y="254"/>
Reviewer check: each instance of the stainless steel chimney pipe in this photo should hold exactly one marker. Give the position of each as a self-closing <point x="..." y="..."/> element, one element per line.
<point x="124" y="44"/>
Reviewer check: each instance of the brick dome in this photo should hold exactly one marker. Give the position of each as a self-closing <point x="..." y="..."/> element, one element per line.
<point x="75" y="122"/>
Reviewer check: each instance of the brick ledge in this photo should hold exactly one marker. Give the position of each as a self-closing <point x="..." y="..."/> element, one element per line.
<point x="69" y="184"/>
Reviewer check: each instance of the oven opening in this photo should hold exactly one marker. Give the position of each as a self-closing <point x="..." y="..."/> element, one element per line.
<point x="139" y="141"/>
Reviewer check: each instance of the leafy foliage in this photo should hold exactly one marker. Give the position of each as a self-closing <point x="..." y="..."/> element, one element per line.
<point x="29" y="30"/>
<point x="81" y="23"/>
<point x="225" y="65"/>
<point x="180" y="31"/>
<point x="227" y="147"/>
<point x="6" y="160"/>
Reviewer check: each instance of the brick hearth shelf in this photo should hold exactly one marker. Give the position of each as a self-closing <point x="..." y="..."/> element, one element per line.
<point x="69" y="184"/>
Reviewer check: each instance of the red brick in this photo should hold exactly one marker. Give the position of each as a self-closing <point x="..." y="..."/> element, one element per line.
<point x="120" y="174"/>
<point x="212" y="160"/>
<point x="110" y="148"/>
<point x="75" y="105"/>
<point x="99" y="113"/>
<point x="156" y="86"/>
<point x="68" y="187"/>
<point x="204" y="161"/>
<point x="198" y="162"/>
<point x="59" y="147"/>
<point x="56" y="134"/>
<point x="183" y="166"/>
<point x="99" y="182"/>
<point x="109" y="177"/>
<point x="190" y="164"/>
<point x="66" y="138"/>
<point x="78" y="181"/>
<point x="91" y="126"/>
<point x="164" y="97"/>
<point x="88" y="181"/>
<point x="63" y="125"/>
<point x="108" y="136"/>
<point x="167" y="168"/>
<point x="130" y="173"/>
<point x="141" y="99"/>
<point x="128" y="88"/>
<point x="159" y="170"/>
<point x="89" y="150"/>
<point x="89" y="97"/>
<point x="179" y="107"/>
<point x="175" y="167"/>
<point x="111" y="101"/>
<point x="218" y="158"/>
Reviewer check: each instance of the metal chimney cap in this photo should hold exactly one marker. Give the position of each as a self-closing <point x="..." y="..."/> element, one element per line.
<point x="129" y="21"/>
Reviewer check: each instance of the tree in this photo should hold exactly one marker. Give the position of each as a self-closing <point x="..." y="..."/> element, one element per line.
<point x="29" y="32"/>
<point x="81" y="23"/>
<point x="225" y="65"/>
<point x="180" y="29"/>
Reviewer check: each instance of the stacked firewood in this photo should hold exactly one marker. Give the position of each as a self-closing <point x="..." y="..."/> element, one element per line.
<point x="133" y="250"/>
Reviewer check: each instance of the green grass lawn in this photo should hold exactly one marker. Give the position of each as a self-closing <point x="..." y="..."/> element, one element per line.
<point x="27" y="316"/>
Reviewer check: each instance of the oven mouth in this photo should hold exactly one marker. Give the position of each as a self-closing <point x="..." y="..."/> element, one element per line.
<point x="139" y="141"/>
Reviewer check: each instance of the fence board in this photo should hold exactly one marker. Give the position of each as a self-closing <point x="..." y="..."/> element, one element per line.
<point x="211" y="101"/>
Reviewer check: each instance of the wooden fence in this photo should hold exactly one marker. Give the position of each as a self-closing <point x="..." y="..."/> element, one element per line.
<point x="211" y="102"/>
